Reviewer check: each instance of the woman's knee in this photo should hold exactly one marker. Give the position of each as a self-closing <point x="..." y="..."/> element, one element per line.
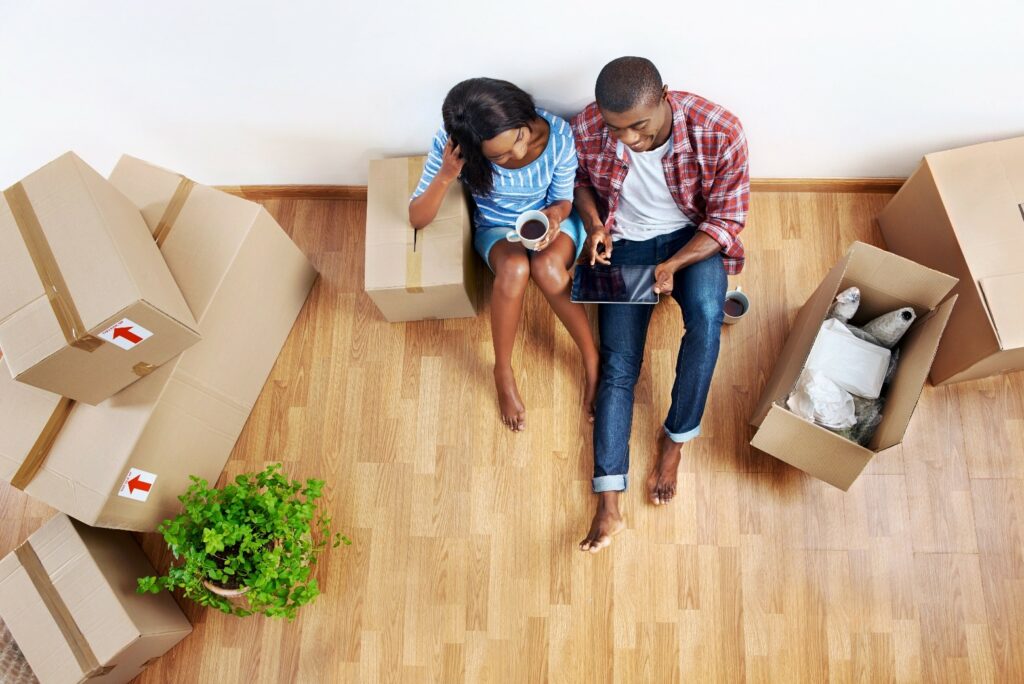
<point x="548" y="271"/>
<point x="512" y="273"/>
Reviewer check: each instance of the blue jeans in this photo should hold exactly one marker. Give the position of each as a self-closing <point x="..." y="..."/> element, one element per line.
<point x="699" y="290"/>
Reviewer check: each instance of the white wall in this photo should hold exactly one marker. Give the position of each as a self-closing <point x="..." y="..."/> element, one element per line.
<point x="306" y="91"/>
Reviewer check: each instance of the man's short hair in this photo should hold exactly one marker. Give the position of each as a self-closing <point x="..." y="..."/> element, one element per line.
<point x="627" y="82"/>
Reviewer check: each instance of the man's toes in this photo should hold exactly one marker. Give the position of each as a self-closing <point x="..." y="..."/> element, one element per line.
<point x="603" y="541"/>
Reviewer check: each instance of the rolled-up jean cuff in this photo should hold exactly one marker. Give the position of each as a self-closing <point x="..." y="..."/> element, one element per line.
<point x="610" y="483"/>
<point x="680" y="437"/>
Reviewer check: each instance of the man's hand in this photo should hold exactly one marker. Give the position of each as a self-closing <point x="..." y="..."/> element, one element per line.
<point x="554" y="223"/>
<point x="664" y="274"/>
<point x="592" y="251"/>
<point x="451" y="162"/>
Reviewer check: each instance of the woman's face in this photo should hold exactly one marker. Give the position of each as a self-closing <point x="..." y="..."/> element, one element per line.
<point x="508" y="146"/>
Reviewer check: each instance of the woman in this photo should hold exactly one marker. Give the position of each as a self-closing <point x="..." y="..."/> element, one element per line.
<point x="512" y="157"/>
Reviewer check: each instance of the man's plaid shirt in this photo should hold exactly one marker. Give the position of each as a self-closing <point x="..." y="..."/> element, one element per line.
<point x="706" y="169"/>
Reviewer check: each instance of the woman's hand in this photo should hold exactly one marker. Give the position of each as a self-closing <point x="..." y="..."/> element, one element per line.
<point x="451" y="162"/>
<point x="554" y="224"/>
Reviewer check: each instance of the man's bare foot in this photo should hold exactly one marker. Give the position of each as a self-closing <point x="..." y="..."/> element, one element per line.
<point x="607" y="523"/>
<point x="661" y="483"/>
<point x="593" y="369"/>
<point x="513" y="413"/>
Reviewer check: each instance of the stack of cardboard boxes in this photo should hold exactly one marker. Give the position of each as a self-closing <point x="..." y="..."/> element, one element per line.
<point x="139" y="319"/>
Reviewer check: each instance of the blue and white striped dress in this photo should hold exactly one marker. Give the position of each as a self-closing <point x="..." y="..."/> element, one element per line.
<point x="546" y="180"/>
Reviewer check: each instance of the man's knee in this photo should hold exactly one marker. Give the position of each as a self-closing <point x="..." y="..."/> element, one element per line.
<point x="620" y="369"/>
<point x="704" y="317"/>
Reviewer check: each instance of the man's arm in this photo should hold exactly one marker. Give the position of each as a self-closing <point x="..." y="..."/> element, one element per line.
<point x="727" y="206"/>
<point x="585" y="202"/>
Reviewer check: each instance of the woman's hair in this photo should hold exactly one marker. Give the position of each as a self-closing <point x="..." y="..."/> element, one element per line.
<point x="477" y="110"/>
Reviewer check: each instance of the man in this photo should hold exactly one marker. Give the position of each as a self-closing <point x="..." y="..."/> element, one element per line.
<point x="662" y="180"/>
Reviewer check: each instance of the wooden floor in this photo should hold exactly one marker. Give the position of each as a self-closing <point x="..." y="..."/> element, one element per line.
<point x="464" y="565"/>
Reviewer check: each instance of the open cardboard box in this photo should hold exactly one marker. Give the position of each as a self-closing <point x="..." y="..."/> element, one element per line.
<point x="962" y="212"/>
<point x="886" y="282"/>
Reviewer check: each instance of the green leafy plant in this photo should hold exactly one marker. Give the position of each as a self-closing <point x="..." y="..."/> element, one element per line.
<point x="260" y="534"/>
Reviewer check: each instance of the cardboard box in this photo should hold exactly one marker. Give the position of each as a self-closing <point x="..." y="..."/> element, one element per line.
<point x="124" y="462"/>
<point x="414" y="277"/>
<point x="87" y="304"/>
<point x="68" y="597"/>
<point x="886" y="282"/>
<point x="962" y="213"/>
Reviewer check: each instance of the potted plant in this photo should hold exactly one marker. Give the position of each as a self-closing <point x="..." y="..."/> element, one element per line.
<point x="249" y="547"/>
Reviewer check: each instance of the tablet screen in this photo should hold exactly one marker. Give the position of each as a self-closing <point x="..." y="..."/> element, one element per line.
<point x="624" y="284"/>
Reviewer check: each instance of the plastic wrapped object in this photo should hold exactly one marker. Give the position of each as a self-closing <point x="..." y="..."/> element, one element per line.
<point x="891" y="372"/>
<point x="869" y="417"/>
<point x="846" y="304"/>
<point x="888" y="328"/>
<point x="819" y="400"/>
<point x="855" y="365"/>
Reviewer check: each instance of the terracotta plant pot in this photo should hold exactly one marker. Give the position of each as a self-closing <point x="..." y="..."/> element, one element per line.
<point x="234" y="596"/>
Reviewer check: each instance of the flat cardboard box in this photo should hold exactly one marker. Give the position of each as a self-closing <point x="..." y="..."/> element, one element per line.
<point x="246" y="281"/>
<point x="68" y="597"/>
<point x="414" y="277"/>
<point x="886" y="282"/>
<point x="962" y="213"/>
<point x="87" y="304"/>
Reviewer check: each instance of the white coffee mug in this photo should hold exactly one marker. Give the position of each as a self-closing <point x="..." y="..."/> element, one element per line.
<point x="517" y="234"/>
<point x="740" y="298"/>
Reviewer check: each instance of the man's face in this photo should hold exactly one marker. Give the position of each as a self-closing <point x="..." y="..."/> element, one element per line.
<point x="640" y="127"/>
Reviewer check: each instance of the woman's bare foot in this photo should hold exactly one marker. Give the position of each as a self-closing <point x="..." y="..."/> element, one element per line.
<point x="593" y="369"/>
<point x="513" y="413"/>
<point x="661" y="483"/>
<point x="607" y="523"/>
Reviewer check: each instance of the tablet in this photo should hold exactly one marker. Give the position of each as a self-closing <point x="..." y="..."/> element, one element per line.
<point x="625" y="284"/>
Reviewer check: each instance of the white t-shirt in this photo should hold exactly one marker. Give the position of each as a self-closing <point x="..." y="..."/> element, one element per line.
<point x="646" y="206"/>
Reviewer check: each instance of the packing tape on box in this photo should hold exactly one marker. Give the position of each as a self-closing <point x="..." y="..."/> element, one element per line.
<point x="41" y="449"/>
<point x="413" y="258"/>
<point x="49" y="272"/>
<point x="58" y="610"/>
<point x="143" y="369"/>
<point x="170" y="215"/>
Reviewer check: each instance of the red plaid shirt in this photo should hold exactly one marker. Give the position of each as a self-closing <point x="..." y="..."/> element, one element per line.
<point x="706" y="169"/>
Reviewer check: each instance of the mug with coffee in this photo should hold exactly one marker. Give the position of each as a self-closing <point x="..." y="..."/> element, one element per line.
<point x="531" y="227"/>
<point x="735" y="306"/>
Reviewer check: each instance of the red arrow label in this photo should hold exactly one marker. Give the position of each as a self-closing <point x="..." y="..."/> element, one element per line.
<point x="138" y="483"/>
<point x="127" y="334"/>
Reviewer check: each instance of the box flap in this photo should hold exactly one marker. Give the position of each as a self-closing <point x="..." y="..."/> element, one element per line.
<point x="898" y="277"/>
<point x="982" y="189"/>
<point x="811" y="448"/>
<point x="917" y="351"/>
<point x="1004" y="296"/>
